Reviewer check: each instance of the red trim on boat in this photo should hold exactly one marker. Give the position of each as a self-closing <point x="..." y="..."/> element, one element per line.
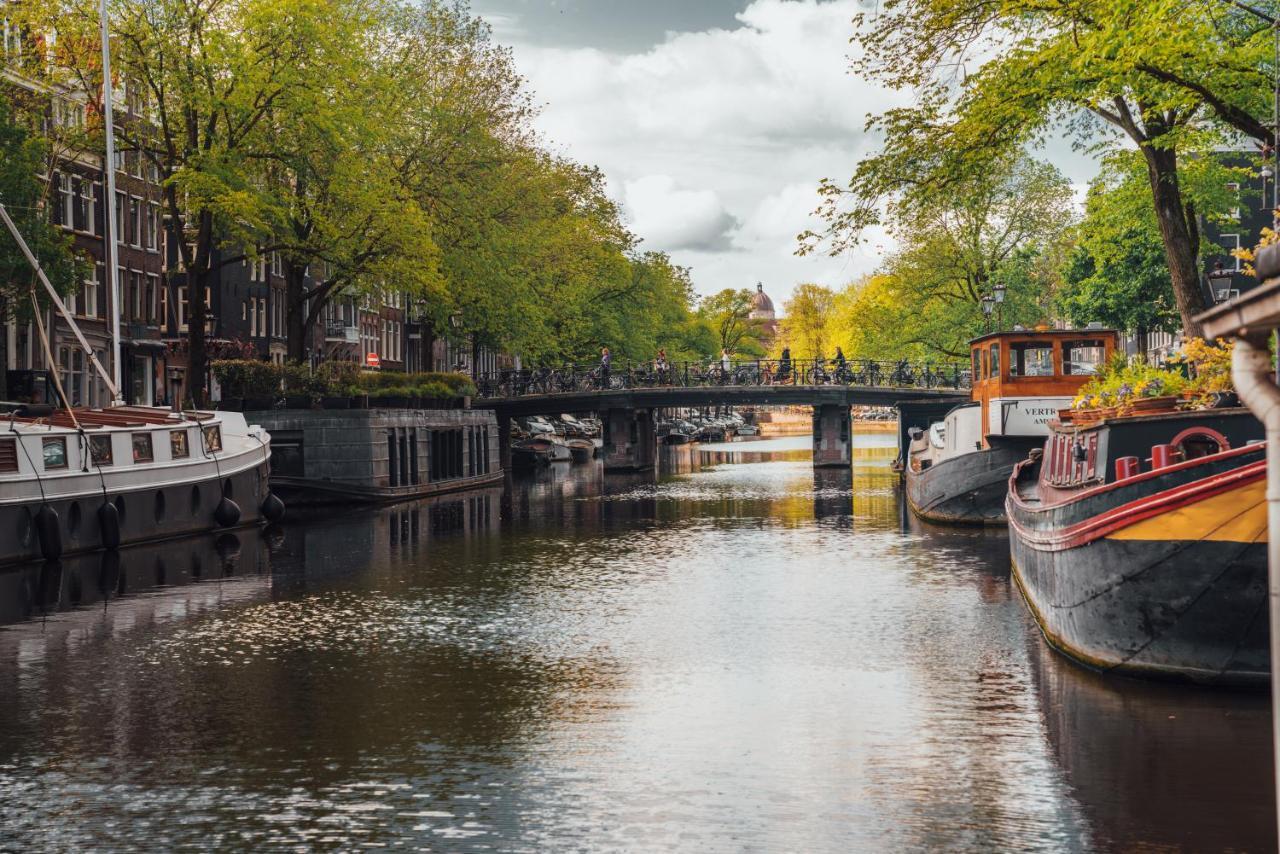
<point x="1146" y="475"/>
<point x="1125" y="515"/>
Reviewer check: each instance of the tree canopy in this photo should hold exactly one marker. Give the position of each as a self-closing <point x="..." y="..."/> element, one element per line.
<point x="990" y="79"/>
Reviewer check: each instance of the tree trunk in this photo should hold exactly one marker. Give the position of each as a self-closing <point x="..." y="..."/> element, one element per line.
<point x="1178" y="235"/>
<point x="295" y="311"/>
<point x="198" y="278"/>
<point x="428" y="347"/>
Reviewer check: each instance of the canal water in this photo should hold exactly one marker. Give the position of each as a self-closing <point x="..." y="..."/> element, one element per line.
<point x="738" y="653"/>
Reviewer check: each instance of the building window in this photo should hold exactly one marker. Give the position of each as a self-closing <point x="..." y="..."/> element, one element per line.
<point x="277" y="267"/>
<point x="89" y="301"/>
<point x="153" y="288"/>
<point x="88" y="205"/>
<point x="135" y="221"/>
<point x="152" y="225"/>
<point x="64" y="215"/>
<point x="164" y="305"/>
<point x="138" y="296"/>
<point x="117" y="222"/>
<point x="1231" y="243"/>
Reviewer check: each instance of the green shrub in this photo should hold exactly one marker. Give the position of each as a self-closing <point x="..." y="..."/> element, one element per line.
<point x="247" y="378"/>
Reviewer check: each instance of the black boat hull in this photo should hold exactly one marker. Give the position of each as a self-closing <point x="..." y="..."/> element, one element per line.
<point x="1164" y="577"/>
<point x="968" y="489"/>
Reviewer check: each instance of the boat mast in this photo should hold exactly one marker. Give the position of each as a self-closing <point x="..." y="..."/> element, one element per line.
<point x="109" y="207"/>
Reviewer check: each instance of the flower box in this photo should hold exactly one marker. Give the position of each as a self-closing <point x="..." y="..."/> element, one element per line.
<point x="1164" y="403"/>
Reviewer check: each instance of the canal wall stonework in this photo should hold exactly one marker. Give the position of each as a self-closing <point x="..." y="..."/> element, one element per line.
<point x="324" y="456"/>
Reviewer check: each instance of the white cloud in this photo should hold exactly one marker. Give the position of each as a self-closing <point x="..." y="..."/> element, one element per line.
<point x="670" y="218"/>
<point x="715" y="141"/>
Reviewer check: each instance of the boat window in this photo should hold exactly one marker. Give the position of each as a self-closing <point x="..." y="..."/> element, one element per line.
<point x="977" y="366"/>
<point x="8" y="455"/>
<point x="1031" y="359"/>
<point x="55" y="453"/>
<point x="995" y="360"/>
<point x="1083" y="358"/>
<point x="178" y="444"/>
<point x="142" y="452"/>
<point x="1196" y="445"/>
<point x="213" y="438"/>
<point x="100" y="449"/>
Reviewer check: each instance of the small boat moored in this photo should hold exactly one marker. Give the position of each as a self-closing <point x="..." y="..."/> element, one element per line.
<point x="957" y="470"/>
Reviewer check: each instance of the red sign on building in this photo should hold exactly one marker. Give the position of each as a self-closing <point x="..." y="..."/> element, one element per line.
<point x="372" y="360"/>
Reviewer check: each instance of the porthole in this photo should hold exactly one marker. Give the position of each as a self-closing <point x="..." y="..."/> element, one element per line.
<point x="159" y="506"/>
<point x="120" y="508"/>
<point x="73" y="518"/>
<point x="195" y="500"/>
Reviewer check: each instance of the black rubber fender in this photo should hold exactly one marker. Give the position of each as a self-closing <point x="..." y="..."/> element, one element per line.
<point x="109" y="525"/>
<point x="272" y="508"/>
<point x="49" y="531"/>
<point x="227" y="513"/>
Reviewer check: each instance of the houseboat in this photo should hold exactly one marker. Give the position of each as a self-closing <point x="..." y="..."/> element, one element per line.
<point x="79" y="480"/>
<point x="1140" y="544"/>
<point x="957" y="470"/>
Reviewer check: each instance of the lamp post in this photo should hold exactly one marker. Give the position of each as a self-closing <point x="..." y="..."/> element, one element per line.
<point x="988" y="306"/>
<point x="1220" y="281"/>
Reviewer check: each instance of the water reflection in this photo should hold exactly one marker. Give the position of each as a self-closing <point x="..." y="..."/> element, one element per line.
<point x="736" y="651"/>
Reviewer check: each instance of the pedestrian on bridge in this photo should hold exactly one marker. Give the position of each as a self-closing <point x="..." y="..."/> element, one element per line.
<point x="725" y="362"/>
<point x="784" y="365"/>
<point x="605" y="360"/>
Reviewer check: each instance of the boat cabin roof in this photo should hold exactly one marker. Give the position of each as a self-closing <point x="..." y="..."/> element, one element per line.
<point x="1052" y="362"/>
<point x="118" y="416"/>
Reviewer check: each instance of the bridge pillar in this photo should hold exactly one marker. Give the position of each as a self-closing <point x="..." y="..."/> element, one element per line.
<point x="630" y="439"/>
<point x="832" y="445"/>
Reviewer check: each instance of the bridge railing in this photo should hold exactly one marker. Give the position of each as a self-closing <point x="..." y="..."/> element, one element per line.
<point x="866" y="373"/>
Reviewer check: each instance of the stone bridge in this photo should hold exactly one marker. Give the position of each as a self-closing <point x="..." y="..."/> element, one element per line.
<point x="630" y="425"/>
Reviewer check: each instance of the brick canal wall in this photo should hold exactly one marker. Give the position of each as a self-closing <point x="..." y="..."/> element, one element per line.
<point x="329" y="456"/>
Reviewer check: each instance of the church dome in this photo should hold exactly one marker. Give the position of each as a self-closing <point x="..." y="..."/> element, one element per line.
<point x="761" y="305"/>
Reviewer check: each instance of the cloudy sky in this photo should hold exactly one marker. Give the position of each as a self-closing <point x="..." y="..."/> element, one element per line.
<point x="714" y="120"/>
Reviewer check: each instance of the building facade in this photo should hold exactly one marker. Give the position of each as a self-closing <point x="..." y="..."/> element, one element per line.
<point x="75" y="202"/>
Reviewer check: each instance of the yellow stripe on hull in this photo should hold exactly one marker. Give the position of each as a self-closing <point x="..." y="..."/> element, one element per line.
<point x="1238" y="516"/>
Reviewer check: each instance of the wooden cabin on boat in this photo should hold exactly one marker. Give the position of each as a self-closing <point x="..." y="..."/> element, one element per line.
<point x="1022" y="378"/>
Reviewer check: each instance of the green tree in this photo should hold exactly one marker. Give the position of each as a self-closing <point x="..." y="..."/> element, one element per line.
<point x="1160" y="74"/>
<point x="211" y="78"/>
<point x="806" y="322"/>
<point x="1115" y="270"/>
<point x="728" y="315"/>
<point x="24" y="194"/>
<point x="998" y="229"/>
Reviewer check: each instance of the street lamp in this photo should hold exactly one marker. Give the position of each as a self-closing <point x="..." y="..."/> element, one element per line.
<point x="1220" y="282"/>
<point x="988" y="306"/>
<point x="998" y="291"/>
